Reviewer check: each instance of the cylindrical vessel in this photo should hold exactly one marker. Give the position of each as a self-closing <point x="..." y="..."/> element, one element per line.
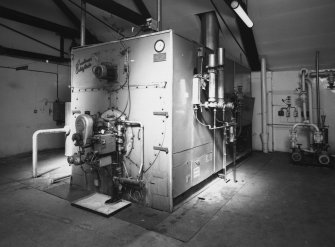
<point x="196" y="91"/>
<point x="220" y="81"/>
<point x="212" y="78"/>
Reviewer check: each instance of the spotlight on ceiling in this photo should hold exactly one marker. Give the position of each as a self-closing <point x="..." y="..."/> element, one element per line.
<point x="241" y="13"/>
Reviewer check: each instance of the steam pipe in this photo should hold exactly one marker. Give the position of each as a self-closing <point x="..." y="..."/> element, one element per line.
<point x="310" y="100"/>
<point x="212" y="78"/>
<point x="303" y="94"/>
<point x="264" y="134"/>
<point x="83" y="23"/>
<point x="66" y="130"/>
<point x="220" y="71"/>
<point x="159" y="14"/>
<point x="209" y="30"/>
<point x="317" y="88"/>
<point x="142" y="145"/>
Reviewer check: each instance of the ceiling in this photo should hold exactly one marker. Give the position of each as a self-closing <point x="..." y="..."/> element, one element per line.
<point x="287" y="32"/>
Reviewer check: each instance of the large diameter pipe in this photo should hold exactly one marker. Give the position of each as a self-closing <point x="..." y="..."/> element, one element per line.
<point x="264" y="135"/>
<point x="66" y="130"/>
<point x="212" y="78"/>
<point x="83" y="23"/>
<point x="220" y="71"/>
<point x="209" y="30"/>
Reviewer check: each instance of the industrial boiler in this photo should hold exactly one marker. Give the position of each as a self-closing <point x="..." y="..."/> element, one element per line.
<point x="147" y="123"/>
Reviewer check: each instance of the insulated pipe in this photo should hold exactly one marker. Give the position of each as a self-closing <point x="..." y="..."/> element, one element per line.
<point x="303" y="94"/>
<point x="159" y="15"/>
<point x="209" y="30"/>
<point x="317" y="89"/>
<point x="142" y="144"/>
<point x="212" y="78"/>
<point x="220" y="71"/>
<point x="264" y="134"/>
<point x="66" y="130"/>
<point x="83" y="23"/>
<point x="310" y="99"/>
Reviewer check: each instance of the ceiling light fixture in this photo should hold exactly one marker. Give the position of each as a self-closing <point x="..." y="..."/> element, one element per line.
<point x="241" y="13"/>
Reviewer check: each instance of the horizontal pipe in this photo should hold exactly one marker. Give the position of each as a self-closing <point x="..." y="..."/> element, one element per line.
<point x="305" y="125"/>
<point x="66" y="130"/>
<point x="322" y="73"/>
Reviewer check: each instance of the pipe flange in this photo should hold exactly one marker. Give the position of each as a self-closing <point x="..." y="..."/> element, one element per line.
<point x="324" y="159"/>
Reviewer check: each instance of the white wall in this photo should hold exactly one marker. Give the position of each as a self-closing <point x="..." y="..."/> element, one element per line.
<point x="23" y="92"/>
<point x="280" y="85"/>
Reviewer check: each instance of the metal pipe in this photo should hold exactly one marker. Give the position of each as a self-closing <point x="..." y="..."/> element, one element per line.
<point x="214" y="140"/>
<point x="66" y="129"/>
<point x="303" y="94"/>
<point x="212" y="78"/>
<point x="264" y="134"/>
<point x="142" y="145"/>
<point x="220" y="70"/>
<point x="83" y="23"/>
<point x="209" y="30"/>
<point x="310" y="99"/>
<point x="159" y="15"/>
<point x="317" y="89"/>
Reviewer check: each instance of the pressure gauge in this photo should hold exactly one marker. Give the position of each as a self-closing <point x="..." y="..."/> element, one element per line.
<point x="159" y="45"/>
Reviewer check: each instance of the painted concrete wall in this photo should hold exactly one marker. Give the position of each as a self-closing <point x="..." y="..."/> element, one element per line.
<point x="281" y="84"/>
<point x="26" y="104"/>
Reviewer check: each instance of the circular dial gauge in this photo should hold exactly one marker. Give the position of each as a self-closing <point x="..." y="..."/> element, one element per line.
<point x="159" y="45"/>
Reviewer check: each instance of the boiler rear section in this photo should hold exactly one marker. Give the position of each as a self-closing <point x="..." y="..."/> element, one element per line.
<point x="135" y="133"/>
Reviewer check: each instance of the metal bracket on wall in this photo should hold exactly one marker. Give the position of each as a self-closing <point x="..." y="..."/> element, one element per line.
<point x="161" y="113"/>
<point x="163" y="149"/>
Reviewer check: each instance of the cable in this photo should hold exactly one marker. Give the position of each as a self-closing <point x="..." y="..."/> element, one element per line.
<point x="217" y="11"/>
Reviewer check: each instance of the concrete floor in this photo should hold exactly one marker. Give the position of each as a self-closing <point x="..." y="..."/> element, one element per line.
<point x="274" y="203"/>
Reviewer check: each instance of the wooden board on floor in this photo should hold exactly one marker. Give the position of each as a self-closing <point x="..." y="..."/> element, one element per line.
<point x="96" y="203"/>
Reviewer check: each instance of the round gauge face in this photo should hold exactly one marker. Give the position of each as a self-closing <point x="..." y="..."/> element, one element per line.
<point x="159" y="45"/>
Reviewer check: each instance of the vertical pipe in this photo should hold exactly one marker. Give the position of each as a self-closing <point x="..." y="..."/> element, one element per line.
<point x="214" y="141"/>
<point x="220" y="69"/>
<point x="159" y="14"/>
<point x="303" y="95"/>
<point x="83" y="23"/>
<point x="310" y="100"/>
<point x="209" y="30"/>
<point x="264" y="134"/>
<point x="212" y="78"/>
<point x="317" y="88"/>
